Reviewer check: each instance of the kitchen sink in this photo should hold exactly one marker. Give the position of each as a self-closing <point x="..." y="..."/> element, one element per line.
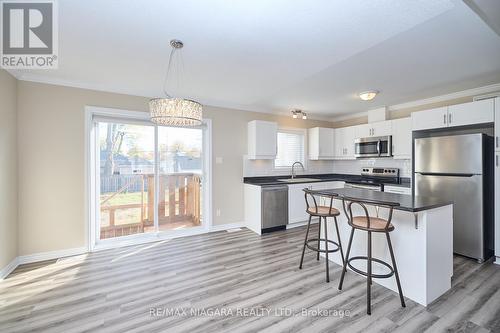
<point x="299" y="180"/>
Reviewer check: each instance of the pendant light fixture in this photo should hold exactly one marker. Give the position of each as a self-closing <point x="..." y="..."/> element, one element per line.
<point x="175" y="111"/>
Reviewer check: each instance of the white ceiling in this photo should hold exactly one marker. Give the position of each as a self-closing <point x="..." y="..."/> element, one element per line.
<point x="272" y="56"/>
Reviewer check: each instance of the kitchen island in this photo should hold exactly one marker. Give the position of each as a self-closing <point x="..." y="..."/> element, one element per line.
<point x="422" y="240"/>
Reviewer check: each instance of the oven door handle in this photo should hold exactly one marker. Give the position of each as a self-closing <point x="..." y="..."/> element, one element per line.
<point x="379" y="142"/>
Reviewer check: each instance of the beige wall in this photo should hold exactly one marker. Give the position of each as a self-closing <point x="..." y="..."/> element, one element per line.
<point x="8" y="169"/>
<point x="51" y="161"/>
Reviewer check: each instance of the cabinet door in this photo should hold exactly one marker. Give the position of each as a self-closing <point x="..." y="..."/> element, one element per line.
<point x="471" y="113"/>
<point x="326" y="143"/>
<point x="296" y="203"/>
<point x="401" y="138"/>
<point x="313" y="143"/>
<point x="262" y="139"/>
<point x="497" y="124"/>
<point x="362" y="131"/>
<point x="349" y="137"/>
<point x="339" y="143"/>
<point x="381" y="128"/>
<point x="497" y="205"/>
<point x="428" y="119"/>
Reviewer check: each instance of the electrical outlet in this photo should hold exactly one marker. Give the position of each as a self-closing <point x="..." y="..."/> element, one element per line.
<point x="217" y="212"/>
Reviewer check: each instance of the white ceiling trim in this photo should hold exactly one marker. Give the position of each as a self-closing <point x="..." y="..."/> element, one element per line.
<point x="436" y="99"/>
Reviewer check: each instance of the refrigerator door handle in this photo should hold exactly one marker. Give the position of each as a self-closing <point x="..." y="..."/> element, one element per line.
<point x="446" y="174"/>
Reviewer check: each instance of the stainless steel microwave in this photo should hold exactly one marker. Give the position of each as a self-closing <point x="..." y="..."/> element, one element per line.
<point x="380" y="146"/>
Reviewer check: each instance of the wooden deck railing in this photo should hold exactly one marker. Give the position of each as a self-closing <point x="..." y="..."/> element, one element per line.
<point x="179" y="200"/>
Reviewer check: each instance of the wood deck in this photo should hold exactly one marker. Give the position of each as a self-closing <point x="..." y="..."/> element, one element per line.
<point x="116" y="290"/>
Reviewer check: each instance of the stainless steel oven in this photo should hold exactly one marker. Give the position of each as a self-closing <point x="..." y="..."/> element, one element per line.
<point x="380" y="146"/>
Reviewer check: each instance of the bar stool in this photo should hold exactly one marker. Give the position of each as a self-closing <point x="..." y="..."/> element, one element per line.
<point x="370" y="224"/>
<point x="322" y="212"/>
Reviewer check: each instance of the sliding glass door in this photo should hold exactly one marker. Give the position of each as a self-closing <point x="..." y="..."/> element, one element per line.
<point x="148" y="179"/>
<point x="180" y="174"/>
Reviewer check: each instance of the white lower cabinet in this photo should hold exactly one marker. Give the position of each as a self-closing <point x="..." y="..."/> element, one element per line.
<point x="297" y="203"/>
<point x="296" y="199"/>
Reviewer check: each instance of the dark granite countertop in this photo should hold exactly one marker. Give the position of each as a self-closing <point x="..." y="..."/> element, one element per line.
<point x="407" y="203"/>
<point x="273" y="180"/>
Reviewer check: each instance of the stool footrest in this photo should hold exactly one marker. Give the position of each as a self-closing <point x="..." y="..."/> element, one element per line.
<point x="314" y="248"/>
<point x="379" y="276"/>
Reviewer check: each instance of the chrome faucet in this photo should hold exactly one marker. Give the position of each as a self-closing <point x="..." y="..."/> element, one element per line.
<point x="293" y="168"/>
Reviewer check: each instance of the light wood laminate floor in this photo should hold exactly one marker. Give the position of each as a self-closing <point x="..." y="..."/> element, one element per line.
<point x="133" y="289"/>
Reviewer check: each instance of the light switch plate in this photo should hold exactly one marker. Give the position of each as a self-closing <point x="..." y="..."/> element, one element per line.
<point x="219" y="160"/>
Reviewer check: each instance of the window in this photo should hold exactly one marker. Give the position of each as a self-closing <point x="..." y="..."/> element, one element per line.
<point x="290" y="148"/>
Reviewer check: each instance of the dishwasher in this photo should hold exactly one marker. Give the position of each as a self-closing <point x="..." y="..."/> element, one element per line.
<point x="274" y="208"/>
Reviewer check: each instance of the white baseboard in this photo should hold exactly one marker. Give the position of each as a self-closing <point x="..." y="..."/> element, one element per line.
<point x="42" y="256"/>
<point x="497" y="260"/>
<point x="11" y="266"/>
<point x="300" y="224"/>
<point x="224" y="227"/>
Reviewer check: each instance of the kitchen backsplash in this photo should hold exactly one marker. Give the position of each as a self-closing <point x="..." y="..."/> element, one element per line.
<point x="354" y="166"/>
<point x="255" y="168"/>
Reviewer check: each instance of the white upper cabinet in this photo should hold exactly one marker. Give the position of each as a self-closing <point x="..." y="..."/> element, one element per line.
<point x="380" y="128"/>
<point x="428" y="119"/>
<point x="455" y="115"/>
<point x="497" y="124"/>
<point x="344" y="143"/>
<point x="401" y="138"/>
<point x="262" y="140"/>
<point x="321" y="143"/>
<point x="471" y="113"/>
<point x="362" y="131"/>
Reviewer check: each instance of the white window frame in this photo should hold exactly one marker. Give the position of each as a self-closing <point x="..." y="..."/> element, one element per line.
<point x="91" y="187"/>
<point x="293" y="130"/>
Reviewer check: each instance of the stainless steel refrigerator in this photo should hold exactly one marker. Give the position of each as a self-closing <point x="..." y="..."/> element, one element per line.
<point x="457" y="168"/>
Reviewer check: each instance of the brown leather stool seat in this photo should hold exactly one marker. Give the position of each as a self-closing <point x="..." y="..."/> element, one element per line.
<point x="376" y="224"/>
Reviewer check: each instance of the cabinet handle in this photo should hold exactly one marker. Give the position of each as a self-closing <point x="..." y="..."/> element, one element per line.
<point x="497" y="142"/>
<point x="444" y="119"/>
<point x="449" y="118"/>
<point x="497" y="159"/>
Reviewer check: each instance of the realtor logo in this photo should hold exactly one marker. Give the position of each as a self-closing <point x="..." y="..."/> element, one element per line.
<point x="29" y="34"/>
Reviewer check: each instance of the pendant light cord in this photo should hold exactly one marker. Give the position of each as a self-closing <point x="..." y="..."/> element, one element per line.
<point x="168" y="72"/>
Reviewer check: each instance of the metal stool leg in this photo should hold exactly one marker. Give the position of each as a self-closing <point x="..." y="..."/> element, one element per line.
<point x="369" y="276"/>
<point x="326" y="253"/>
<point x="395" y="270"/>
<point x="338" y="238"/>
<point x="305" y="241"/>
<point x="319" y="236"/>
<point x="344" y="269"/>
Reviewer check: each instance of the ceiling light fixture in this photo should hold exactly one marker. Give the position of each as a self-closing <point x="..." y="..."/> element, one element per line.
<point x="368" y="95"/>
<point x="175" y="111"/>
<point x="299" y="113"/>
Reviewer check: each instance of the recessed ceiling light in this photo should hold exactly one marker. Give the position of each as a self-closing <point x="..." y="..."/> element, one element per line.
<point x="368" y="95"/>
